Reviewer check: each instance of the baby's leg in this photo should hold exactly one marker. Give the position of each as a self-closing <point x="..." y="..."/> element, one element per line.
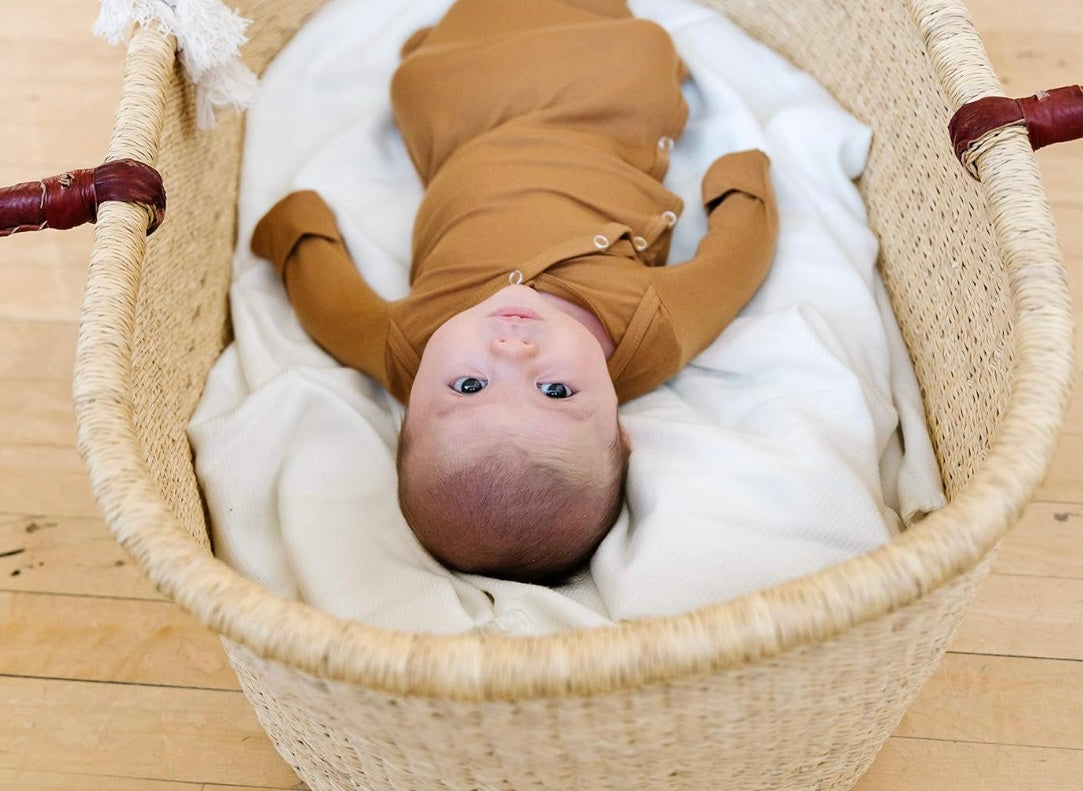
<point x="612" y="8"/>
<point x="470" y="20"/>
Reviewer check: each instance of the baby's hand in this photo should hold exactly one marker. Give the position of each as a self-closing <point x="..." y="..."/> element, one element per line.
<point x="740" y="171"/>
<point x="296" y="216"/>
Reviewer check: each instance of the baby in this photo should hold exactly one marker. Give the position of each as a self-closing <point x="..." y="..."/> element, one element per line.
<point x="539" y="299"/>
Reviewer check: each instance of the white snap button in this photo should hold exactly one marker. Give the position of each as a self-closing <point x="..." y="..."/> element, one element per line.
<point x="666" y="143"/>
<point x="515" y="277"/>
<point x="639" y="243"/>
<point x="601" y="242"/>
<point x="670" y="218"/>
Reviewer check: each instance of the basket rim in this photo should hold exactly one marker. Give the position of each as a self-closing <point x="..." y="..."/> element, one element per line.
<point x="579" y="662"/>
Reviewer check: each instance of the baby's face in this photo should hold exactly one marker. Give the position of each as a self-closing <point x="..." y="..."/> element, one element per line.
<point x="514" y="366"/>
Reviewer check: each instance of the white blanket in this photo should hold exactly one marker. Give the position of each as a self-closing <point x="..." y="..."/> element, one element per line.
<point x="778" y="452"/>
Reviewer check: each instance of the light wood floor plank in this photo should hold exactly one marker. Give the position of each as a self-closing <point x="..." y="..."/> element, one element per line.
<point x="1025" y="616"/>
<point x="32" y="475"/>
<point x="1063" y="483"/>
<point x="928" y="765"/>
<point x="36" y="413"/>
<point x="1074" y="419"/>
<point x="37" y="350"/>
<point x="76" y="556"/>
<point x="12" y="779"/>
<point x="33" y="291"/>
<point x="128" y="641"/>
<point x="1068" y="217"/>
<point x="1001" y="700"/>
<point x="50" y="249"/>
<point x="1045" y="542"/>
<point x="59" y="19"/>
<point x="1048" y="59"/>
<point x="15" y="780"/>
<point x="123" y="730"/>
<point x="1060" y="173"/>
<point x="1024" y="20"/>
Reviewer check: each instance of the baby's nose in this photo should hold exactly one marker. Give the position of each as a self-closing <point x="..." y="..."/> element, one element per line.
<point x="515" y="348"/>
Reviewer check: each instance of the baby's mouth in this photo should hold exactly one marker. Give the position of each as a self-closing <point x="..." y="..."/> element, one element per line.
<point x="514" y="312"/>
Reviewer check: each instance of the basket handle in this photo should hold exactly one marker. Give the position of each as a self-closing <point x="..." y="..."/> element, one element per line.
<point x="1053" y="116"/>
<point x="72" y="198"/>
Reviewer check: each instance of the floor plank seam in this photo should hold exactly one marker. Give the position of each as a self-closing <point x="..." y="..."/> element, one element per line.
<point x="103" y="597"/>
<point x="147" y="684"/>
<point x="986" y="744"/>
<point x="197" y="784"/>
<point x="1069" y="660"/>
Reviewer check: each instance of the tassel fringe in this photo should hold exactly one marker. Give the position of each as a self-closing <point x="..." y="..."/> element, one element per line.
<point x="209" y="37"/>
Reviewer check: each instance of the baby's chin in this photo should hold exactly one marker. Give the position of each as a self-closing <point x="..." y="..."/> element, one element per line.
<point x="516" y="291"/>
<point x="514" y="296"/>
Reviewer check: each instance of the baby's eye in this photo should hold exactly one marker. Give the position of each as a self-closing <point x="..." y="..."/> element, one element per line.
<point x="556" y="390"/>
<point x="469" y="385"/>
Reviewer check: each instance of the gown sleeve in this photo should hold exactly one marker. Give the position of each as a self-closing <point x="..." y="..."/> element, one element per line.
<point x="336" y="307"/>
<point x="702" y="295"/>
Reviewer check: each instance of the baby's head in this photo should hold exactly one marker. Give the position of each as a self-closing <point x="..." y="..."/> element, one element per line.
<point x="511" y="459"/>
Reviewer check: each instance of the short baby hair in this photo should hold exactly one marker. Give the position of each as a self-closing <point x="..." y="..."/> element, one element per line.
<point x="530" y="515"/>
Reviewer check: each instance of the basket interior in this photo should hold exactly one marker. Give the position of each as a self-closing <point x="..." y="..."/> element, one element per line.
<point x="938" y="258"/>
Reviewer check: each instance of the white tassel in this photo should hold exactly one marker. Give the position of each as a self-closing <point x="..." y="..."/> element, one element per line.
<point x="209" y="37"/>
<point x="117" y="15"/>
<point x="231" y="84"/>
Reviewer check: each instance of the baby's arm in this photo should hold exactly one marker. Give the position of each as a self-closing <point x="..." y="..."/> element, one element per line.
<point x="704" y="294"/>
<point x="300" y="237"/>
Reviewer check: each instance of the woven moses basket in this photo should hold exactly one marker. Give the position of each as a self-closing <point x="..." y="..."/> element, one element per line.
<point x="795" y="687"/>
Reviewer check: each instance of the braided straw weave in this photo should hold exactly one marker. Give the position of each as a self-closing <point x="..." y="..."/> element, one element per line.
<point x="795" y="687"/>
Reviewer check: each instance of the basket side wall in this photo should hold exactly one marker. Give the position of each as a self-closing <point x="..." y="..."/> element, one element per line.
<point x="182" y="317"/>
<point x="812" y="718"/>
<point x="938" y="257"/>
<point x="182" y="320"/>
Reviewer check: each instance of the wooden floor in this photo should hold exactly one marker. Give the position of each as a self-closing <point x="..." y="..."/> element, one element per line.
<point x="106" y="686"/>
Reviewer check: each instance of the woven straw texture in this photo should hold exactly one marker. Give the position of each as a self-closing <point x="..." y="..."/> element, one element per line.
<point x="795" y="687"/>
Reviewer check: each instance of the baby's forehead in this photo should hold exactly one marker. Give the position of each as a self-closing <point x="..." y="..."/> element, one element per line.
<point x="529" y="433"/>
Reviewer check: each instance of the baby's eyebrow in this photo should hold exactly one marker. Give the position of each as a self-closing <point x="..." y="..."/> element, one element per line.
<point x="578" y="410"/>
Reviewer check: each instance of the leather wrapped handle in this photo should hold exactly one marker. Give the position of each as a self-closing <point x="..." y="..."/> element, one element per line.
<point x="1053" y="116"/>
<point x="72" y="198"/>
